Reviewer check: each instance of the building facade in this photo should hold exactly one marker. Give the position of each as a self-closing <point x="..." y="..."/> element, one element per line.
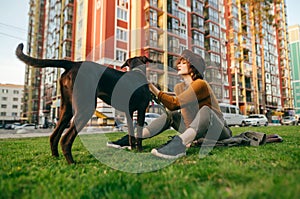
<point x="32" y="99"/>
<point x="11" y="103"/>
<point x="58" y="44"/>
<point x="285" y="67"/>
<point x="294" y="33"/>
<point x="244" y="43"/>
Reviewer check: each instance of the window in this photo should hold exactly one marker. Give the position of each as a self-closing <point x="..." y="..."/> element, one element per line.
<point x="67" y="47"/>
<point x="14" y="114"/>
<point x="156" y="56"/>
<point x="4" y="90"/>
<point x="213" y="3"/>
<point x="213" y="15"/>
<point x="122" y="14"/>
<point x="14" y="106"/>
<point x="198" y="38"/>
<point x="153" y="18"/>
<point x="214" y="45"/>
<point x="232" y="110"/>
<point x="153" y="3"/>
<point x="4" y="98"/>
<point x="3" y="106"/>
<point x="152" y="39"/>
<point x="182" y="2"/>
<point x="199" y="51"/>
<point x="214" y="30"/>
<point x="121" y="55"/>
<point x="68" y="14"/>
<point x="197" y="7"/>
<point x="173" y="25"/>
<point x="3" y="114"/>
<point x="15" y="99"/>
<point x="67" y="32"/>
<point x="173" y="45"/>
<point x="182" y="25"/>
<point x="197" y="22"/>
<point x="121" y="34"/>
<point x="16" y="92"/>
<point x="215" y="58"/>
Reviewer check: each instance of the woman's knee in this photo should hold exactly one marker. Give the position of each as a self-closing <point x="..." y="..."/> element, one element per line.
<point x="204" y="110"/>
<point x="202" y="119"/>
<point x="159" y="124"/>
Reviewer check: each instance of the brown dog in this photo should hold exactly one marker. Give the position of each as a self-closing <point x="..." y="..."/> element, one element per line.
<point x="81" y="84"/>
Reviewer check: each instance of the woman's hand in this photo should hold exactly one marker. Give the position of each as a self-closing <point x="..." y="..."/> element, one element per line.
<point x="153" y="89"/>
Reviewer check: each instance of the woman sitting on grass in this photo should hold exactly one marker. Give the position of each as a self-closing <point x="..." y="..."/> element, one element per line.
<point x="194" y="111"/>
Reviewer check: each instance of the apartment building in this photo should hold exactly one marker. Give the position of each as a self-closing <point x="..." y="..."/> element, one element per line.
<point x="161" y="30"/>
<point x="294" y="33"/>
<point x="33" y="106"/>
<point x="285" y="67"/>
<point x="58" y="42"/>
<point x="11" y="103"/>
<point x="254" y="54"/>
<point x="244" y="43"/>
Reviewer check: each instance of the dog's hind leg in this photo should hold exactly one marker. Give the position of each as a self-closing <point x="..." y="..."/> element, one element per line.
<point x="81" y="117"/>
<point x="67" y="142"/>
<point x="79" y="121"/>
<point x="65" y="117"/>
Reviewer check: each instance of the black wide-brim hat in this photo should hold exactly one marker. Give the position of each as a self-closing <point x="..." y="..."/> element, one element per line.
<point x="196" y="60"/>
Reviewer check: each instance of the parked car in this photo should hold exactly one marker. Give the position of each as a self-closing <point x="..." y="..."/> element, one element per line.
<point x="26" y="126"/>
<point x="232" y="115"/>
<point x="14" y="125"/>
<point x="149" y="117"/>
<point x="289" y="120"/>
<point x="8" y="126"/>
<point x="2" y="126"/>
<point x="257" y="120"/>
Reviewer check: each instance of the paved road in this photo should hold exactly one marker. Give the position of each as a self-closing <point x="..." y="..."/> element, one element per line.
<point x="22" y="133"/>
<point x="46" y="132"/>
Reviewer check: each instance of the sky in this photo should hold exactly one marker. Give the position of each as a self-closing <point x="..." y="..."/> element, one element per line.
<point x="13" y="30"/>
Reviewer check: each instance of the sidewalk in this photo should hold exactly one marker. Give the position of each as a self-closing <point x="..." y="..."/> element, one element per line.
<point x="22" y="133"/>
<point x="25" y="133"/>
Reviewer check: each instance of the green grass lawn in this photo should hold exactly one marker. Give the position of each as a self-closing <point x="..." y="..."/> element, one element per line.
<point x="27" y="170"/>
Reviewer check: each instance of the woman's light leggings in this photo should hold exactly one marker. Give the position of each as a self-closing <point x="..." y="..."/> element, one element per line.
<point x="207" y="124"/>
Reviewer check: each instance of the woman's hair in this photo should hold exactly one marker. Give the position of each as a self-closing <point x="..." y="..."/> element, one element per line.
<point x="194" y="73"/>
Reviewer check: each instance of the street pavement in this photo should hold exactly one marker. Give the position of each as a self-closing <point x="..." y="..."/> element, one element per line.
<point x="26" y="133"/>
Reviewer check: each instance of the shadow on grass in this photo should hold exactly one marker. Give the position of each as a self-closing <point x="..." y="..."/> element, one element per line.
<point x="122" y="160"/>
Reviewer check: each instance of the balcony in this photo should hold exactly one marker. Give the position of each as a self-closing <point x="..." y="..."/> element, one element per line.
<point x="173" y="25"/>
<point x="197" y="7"/>
<point x="173" y="45"/>
<point x="213" y="4"/>
<point x="173" y="8"/>
<point x="197" y="22"/>
<point x="214" y="48"/>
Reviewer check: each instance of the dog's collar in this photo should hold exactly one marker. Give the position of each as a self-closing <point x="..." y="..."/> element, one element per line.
<point x="139" y="70"/>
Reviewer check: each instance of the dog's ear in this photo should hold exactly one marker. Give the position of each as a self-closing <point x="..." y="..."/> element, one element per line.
<point x="126" y="63"/>
<point x="146" y="59"/>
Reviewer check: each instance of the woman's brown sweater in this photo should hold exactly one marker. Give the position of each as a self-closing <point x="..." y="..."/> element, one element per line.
<point x="190" y="99"/>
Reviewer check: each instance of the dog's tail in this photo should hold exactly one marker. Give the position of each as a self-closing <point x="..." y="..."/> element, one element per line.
<point x="42" y="63"/>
